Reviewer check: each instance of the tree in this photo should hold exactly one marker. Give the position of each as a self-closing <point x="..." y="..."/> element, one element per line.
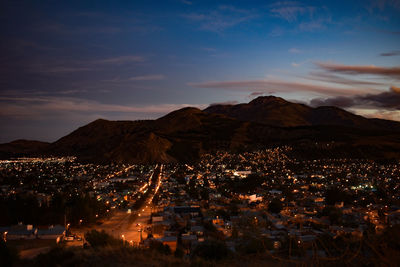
<point x="160" y="247"/>
<point x="275" y="206"/>
<point x="8" y="256"/>
<point x="335" y="215"/>
<point x="100" y="239"/>
<point x="251" y="245"/>
<point x="212" y="250"/>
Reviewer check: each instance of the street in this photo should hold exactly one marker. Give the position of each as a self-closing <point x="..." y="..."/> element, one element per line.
<point x="131" y="227"/>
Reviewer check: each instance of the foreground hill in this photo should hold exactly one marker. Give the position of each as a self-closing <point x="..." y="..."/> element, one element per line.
<point x="185" y="134"/>
<point x="21" y="148"/>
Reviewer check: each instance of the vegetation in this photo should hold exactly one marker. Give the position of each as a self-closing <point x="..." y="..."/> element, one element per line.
<point x="25" y="208"/>
<point x="275" y="206"/>
<point x="8" y="255"/>
<point x="101" y="239"/>
<point x="212" y="250"/>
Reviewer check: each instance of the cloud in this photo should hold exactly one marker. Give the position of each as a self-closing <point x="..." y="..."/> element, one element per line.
<point x="390" y="54"/>
<point x="45" y="107"/>
<point x="154" y="77"/>
<point x="271" y="86"/>
<point x="121" y="60"/>
<point x="333" y="78"/>
<point x="186" y="2"/>
<point x="381" y="114"/>
<point x="254" y="94"/>
<point x="220" y="19"/>
<point x="387" y="100"/>
<point x="58" y="69"/>
<point x="304" y="18"/>
<point x="311" y="26"/>
<point x="209" y="49"/>
<point x="382" y="5"/>
<point x="395" y="89"/>
<point x="70" y="66"/>
<point x="295" y="51"/>
<point x="393" y="72"/>
<point x="224" y="103"/>
<point x="150" y="77"/>
<point x="290" y="11"/>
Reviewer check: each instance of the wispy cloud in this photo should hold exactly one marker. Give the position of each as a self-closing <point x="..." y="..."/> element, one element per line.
<point x="290" y="11"/>
<point x="390" y="54"/>
<point x="294" y="50"/>
<point x="44" y="107"/>
<point x="393" y="72"/>
<point x="387" y="100"/>
<point x="224" y="103"/>
<point x="58" y="69"/>
<point x="220" y="19"/>
<point x="381" y="5"/>
<point x="149" y="77"/>
<point x="333" y="78"/>
<point x="314" y="25"/>
<point x="71" y="66"/>
<point x="273" y="86"/>
<point x="305" y="18"/>
<point x="154" y="77"/>
<point x="121" y="59"/>
<point x="186" y="2"/>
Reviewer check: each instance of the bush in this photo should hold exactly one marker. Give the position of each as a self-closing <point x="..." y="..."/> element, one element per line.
<point x="100" y="239"/>
<point x="251" y="245"/>
<point x="160" y="247"/>
<point x="212" y="250"/>
<point x="179" y="253"/>
<point x="275" y="206"/>
<point x="8" y="255"/>
<point x="55" y="257"/>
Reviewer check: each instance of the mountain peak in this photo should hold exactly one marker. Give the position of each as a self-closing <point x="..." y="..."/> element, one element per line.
<point x="262" y="100"/>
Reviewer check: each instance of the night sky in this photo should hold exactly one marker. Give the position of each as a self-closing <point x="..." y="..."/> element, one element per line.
<point x="65" y="64"/>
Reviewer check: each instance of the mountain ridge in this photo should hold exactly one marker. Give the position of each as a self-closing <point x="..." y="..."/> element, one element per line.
<point x="277" y="111"/>
<point x="184" y="135"/>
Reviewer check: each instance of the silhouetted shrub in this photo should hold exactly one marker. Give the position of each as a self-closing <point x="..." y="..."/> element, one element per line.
<point x="101" y="239"/>
<point x="8" y="255"/>
<point x="275" y="206"/>
<point x="212" y="250"/>
<point x="160" y="247"/>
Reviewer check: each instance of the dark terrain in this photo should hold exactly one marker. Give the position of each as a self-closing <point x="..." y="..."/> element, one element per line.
<point x="183" y="135"/>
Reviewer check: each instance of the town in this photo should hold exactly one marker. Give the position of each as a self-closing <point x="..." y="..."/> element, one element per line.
<point x="263" y="202"/>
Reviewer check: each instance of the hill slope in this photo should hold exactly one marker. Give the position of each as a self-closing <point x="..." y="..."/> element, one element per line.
<point x="183" y="135"/>
<point x="21" y="148"/>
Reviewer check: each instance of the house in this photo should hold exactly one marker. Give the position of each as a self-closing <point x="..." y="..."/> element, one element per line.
<point x="197" y="230"/>
<point x="194" y="211"/>
<point x="21" y="231"/>
<point x="56" y="233"/>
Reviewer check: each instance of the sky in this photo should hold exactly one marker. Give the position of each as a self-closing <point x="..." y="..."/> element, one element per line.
<point x="67" y="63"/>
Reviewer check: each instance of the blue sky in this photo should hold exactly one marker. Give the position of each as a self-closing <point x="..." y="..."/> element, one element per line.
<point x="65" y="64"/>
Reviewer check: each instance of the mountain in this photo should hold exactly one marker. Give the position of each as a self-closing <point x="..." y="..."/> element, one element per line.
<point x="276" y="111"/>
<point x="183" y="135"/>
<point x="21" y="148"/>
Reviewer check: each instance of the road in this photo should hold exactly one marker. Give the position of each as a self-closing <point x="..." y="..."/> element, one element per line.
<point x="130" y="227"/>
